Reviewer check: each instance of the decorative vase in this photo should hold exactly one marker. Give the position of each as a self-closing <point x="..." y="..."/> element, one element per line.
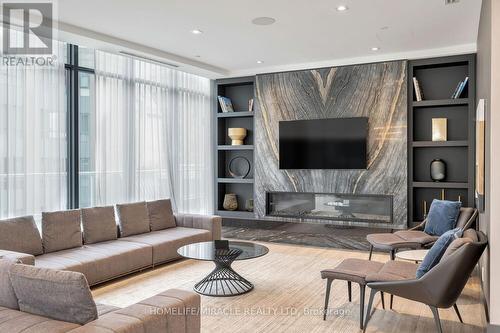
<point x="237" y="135"/>
<point x="438" y="170"/>
<point x="249" y="205"/>
<point x="230" y="202"/>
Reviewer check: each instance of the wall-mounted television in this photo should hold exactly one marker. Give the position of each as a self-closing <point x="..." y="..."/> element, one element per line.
<point x="333" y="143"/>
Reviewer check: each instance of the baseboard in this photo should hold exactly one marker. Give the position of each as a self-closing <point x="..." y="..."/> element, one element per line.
<point x="493" y="329"/>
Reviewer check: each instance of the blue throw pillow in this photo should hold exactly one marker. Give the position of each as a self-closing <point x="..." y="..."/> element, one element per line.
<point x="442" y="217"/>
<point x="434" y="255"/>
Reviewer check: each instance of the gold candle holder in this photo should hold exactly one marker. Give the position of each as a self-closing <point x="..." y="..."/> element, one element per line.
<point x="442" y="194"/>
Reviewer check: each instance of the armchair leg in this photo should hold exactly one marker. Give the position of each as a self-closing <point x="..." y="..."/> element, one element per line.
<point x="349" y="291"/>
<point x="383" y="299"/>
<point x="435" y="313"/>
<point x="327" y="296"/>
<point x="393" y="254"/>
<point x="392" y="299"/>
<point x="369" y="308"/>
<point x="458" y="312"/>
<point x="371" y="252"/>
<point x="361" y="305"/>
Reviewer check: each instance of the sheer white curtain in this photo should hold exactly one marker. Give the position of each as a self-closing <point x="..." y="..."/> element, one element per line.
<point x="33" y="144"/>
<point x="152" y="135"/>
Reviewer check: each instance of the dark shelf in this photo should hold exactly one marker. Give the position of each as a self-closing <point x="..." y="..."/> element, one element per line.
<point x="441" y="102"/>
<point x="462" y="143"/>
<point x="236" y="214"/>
<point x="240" y="147"/>
<point x="440" y="185"/>
<point x="236" y="114"/>
<point x="235" y="180"/>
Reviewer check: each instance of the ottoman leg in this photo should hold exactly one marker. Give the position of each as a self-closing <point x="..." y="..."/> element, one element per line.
<point x="349" y="290"/>
<point x="383" y="299"/>
<point x="361" y="305"/>
<point x="327" y="296"/>
<point x="393" y="254"/>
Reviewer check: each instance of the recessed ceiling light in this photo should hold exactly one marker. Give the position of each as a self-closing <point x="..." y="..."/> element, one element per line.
<point x="260" y="61"/>
<point x="263" y="20"/>
<point x="375" y="48"/>
<point x="196" y="31"/>
<point x="197" y="56"/>
<point x="342" y="8"/>
<point x="451" y="2"/>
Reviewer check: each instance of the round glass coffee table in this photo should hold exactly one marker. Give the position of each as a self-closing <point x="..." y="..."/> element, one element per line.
<point x="223" y="280"/>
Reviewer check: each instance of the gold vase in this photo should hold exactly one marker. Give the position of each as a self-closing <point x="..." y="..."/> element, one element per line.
<point x="230" y="202"/>
<point x="237" y="135"/>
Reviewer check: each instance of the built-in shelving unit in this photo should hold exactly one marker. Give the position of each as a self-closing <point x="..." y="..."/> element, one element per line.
<point x="438" y="78"/>
<point x="240" y="91"/>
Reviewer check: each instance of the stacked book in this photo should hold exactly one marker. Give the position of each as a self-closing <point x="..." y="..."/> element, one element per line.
<point x="418" y="91"/>
<point x="225" y="104"/>
<point x="460" y="88"/>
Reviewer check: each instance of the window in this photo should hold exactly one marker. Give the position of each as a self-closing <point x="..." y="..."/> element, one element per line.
<point x="102" y="129"/>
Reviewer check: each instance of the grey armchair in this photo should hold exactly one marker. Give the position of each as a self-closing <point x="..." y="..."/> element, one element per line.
<point x="441" y="286"/>
<point x="415" y="238"/>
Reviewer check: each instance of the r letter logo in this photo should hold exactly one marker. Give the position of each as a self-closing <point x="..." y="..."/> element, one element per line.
<point x="34" y="20"/>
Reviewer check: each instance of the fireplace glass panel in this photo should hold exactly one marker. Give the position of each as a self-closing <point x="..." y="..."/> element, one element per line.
<point x="337" y="207"/>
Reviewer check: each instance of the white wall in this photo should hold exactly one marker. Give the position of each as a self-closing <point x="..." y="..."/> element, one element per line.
<point x="488" y="87"/>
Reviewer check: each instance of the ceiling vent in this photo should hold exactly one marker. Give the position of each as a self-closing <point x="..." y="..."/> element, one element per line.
<point x="136" y="56"/>
<point x="451" y="2"/>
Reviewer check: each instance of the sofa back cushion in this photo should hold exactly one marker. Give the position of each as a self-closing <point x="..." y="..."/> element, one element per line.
<point x="442" y="217"/>
<point x="8" y="298"/>
<point x="133" y="218"/>
<point x="98" y="224"/>
<point x="61" y="230"/>
<point x="437" y="251"/>
<point x="59" y="295"/>
<point x="161" y="215"/>
<point x="20" y="235"/>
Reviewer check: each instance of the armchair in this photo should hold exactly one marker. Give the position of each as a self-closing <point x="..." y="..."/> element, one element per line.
<point x="441" y="286"/>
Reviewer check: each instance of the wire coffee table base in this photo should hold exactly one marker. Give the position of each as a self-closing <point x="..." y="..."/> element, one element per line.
<point x="223" y="280"/>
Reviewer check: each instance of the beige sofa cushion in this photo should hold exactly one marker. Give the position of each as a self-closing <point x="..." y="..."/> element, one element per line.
<point x="55" y="294"/>
<point x="161" y="215"/>
<point x="100" y="261"/>
<point x="8" y="298"/>
<point x="133" y="218"/>
<point x="15" y="321"/>
<point x="165" y="243"/>
<point x="20" y="235"/>
<point x="98" y="224"/>
<point x="61" y="230"/>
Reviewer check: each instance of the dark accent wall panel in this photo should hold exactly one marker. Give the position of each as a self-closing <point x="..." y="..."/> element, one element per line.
<point x="377" y="91"/>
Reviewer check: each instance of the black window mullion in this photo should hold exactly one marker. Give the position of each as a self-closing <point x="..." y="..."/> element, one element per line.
<point x="73" y="89"/>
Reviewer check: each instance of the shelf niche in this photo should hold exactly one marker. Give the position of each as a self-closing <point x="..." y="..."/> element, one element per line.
<point x="438" y="79"/>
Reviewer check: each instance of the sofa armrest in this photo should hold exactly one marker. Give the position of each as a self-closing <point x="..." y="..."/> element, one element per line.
<point x="18" y="257"/>
<point x="173" y="311"/>
<point x="211" y="223"/>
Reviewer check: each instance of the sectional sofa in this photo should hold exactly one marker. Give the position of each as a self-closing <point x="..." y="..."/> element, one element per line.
<point x="99" y="245"/>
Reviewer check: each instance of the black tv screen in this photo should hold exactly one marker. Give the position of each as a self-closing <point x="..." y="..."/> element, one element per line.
<point x="338" y="143"/>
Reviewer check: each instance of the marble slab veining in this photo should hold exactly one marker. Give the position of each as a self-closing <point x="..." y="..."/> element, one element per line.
<point x="377" y="91"/>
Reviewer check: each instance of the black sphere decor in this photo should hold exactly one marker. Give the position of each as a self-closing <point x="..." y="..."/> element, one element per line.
<point x="239" y="170"/>
<point x="438" y="170"/>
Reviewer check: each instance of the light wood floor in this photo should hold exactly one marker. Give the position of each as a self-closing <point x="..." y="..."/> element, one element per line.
<point x="289" y="296"/>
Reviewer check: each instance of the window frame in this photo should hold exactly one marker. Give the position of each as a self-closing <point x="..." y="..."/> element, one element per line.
<point x="73" y="70"/>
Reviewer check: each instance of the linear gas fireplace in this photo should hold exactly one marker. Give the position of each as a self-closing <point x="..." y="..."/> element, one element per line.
<point x="373" y="208"/>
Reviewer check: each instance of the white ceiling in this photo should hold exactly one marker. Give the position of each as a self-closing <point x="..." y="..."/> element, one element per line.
<point x="307" y="33"/>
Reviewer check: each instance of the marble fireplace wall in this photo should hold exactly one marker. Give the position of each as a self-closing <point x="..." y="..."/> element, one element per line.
<point x="377" y="91"/>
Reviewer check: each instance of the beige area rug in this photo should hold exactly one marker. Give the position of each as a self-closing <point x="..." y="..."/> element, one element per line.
<point x="289" y="296"/>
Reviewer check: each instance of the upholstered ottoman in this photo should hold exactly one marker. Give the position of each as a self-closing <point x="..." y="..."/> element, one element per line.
<point x="352" y="270"/>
